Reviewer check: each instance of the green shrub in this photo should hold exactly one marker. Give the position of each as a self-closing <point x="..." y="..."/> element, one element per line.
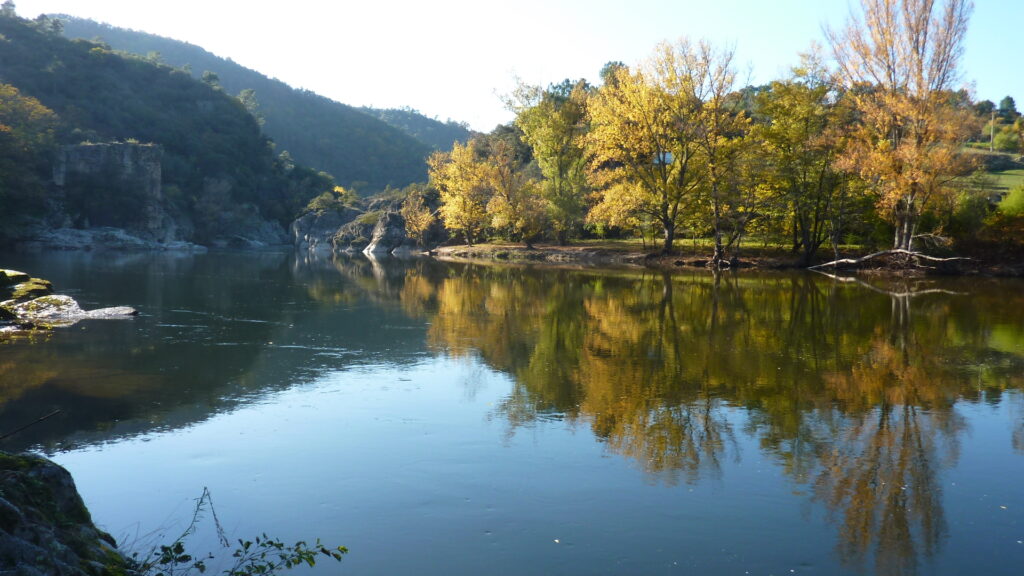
<point x="1013" y="203"/>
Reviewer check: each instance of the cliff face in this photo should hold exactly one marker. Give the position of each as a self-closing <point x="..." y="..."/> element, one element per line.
<point x="85" y="174"/>
<point x="45" y="529"/>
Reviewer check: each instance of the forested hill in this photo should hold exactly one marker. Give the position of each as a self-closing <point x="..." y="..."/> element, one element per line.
<point x="318" y="132"/>
<point x="436" y="134"/>
<point x="219" y="172"/>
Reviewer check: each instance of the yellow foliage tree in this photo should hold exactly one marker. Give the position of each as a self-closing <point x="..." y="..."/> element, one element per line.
<point x="645" y="144"/>
<point x="462" y="180"/>
<point x="418" y="217"/>
<point x="899" y="63"/>
<point x="515" y="204"/>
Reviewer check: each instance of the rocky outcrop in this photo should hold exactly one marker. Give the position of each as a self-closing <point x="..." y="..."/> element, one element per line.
<point x="353" y="237"/>
<point x="317" y="230"/>
<point x="136" y="168"/>
<point x="29" y="304"/>
<point x="45" y="528"/>
<point x="388" y="234"/>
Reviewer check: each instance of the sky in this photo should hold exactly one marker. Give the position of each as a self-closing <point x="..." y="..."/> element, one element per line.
<point x="455" y="59"/>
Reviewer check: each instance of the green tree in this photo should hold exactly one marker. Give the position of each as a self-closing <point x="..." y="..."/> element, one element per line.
<point x="1008" y="109"/>
<point x="800" y="143"/>
<point x="27" y="137"/>
<point x="554" y="123"/>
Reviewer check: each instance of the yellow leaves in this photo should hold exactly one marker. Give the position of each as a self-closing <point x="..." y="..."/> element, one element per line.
<point x="26" y="119"/>
<point x="461" y="180"/>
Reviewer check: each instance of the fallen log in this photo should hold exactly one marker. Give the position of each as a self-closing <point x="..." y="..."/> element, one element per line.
<point x="862" y="259"/>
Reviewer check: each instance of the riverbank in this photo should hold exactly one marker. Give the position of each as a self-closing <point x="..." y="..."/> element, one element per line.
<point x="975" y="263"/>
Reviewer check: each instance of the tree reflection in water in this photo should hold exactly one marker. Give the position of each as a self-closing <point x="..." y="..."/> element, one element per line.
<point x="852" y="390"/>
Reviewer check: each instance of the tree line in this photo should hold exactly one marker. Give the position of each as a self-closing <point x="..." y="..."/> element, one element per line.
<point x="873" y="143"/>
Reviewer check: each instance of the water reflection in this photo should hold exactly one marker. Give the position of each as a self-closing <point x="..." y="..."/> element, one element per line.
<point x="856" y="391"/>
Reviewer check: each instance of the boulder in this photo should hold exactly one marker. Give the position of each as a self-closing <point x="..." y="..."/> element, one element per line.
<point x="45" y="527"/>
<point x="12" y="277"/>
<point x="316" y="230"/>
<point x="388" y="234"/>
<point x="353" y="237"/>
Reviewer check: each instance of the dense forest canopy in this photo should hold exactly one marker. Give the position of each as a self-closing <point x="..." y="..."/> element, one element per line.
<point x="368" y="149"/>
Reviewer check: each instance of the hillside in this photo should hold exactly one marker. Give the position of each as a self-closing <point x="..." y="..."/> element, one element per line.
<point x="352" y="146"/>
<point x="219" y="175"/>
<point x="434" y="133"/>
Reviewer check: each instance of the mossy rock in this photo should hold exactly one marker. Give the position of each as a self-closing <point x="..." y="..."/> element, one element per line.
<point x="12" y="277"/>
<point x="30" y="290"/>
<point x="6" y="315"/>
<point x="44" y="525"/>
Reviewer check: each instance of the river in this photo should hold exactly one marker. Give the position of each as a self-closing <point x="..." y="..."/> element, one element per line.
<point x="443" y="418"/>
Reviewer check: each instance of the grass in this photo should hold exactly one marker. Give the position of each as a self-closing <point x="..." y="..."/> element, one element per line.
<point x="1007" y="180"/>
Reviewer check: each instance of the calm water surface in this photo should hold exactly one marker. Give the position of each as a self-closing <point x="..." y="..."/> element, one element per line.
<point x="457" y="419"/>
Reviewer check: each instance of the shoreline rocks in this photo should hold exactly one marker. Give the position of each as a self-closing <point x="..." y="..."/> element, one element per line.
<point x="101" y="239"/>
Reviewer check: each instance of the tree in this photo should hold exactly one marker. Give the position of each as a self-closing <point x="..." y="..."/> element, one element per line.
<point x="554" y="123"/>
<point x="899" y="62"/>
<point x="720" y="125"/>
<point x="418" y="217"/>
<point x="646" y="142"/>
<point x="27" y="131"/>
<point x="248" y="99"/>
<point x="800" y="144"/>
<point x="1008" y="108"/>
<point x="462" y="180"/>
<point x="515" y="206"/>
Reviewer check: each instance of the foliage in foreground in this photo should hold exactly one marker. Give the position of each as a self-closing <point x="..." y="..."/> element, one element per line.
<point x="262" y="555"/>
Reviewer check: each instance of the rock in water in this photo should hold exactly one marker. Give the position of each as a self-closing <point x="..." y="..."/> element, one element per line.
<point x="59" y="310"/>
<point x="45" y="528"/>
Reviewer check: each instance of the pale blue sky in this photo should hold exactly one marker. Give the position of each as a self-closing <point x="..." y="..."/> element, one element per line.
<point x="452" y="58"/>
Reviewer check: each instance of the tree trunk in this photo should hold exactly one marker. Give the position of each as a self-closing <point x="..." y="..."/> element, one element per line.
<point x="670" y="235"/>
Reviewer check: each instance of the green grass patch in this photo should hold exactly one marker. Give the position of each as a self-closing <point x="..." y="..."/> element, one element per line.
<point x="1007" y="180"/>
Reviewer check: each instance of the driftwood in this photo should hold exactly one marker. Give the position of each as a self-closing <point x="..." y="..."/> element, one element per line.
<point x="855" y="261"/>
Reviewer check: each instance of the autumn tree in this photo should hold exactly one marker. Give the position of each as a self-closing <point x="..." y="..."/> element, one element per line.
<point x="899" y="62"/>
<point x="718" y="122"/>
<point x="800" y="143"/>
<point x="418" y="217"/>
<point x="514" y="205"/>
<point x="554" y="123"/>
<point x="645" y="142"/>
<point x="462" y="181"/>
